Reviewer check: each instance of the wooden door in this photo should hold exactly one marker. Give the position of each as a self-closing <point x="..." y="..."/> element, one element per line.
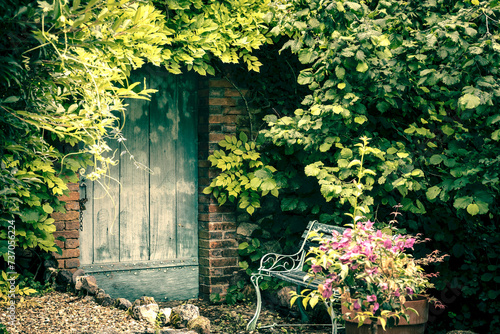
<point x="140" y="234"/>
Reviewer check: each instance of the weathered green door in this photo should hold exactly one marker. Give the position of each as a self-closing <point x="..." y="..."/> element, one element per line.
<point x="140" y="236"/>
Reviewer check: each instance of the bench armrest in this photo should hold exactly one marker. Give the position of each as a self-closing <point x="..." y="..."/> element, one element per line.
<point x="273" y="262"/>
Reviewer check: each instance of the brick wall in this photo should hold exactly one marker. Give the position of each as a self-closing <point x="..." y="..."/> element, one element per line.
<point x="68" y="226"/>
<point x="221" y="110"/>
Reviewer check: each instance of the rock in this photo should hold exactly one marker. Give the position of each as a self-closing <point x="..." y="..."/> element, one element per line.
<point x="246" y="229"/>
<point x="122" y="304"/>
<point x="87" y="284"/>
<point x="144" y="300"/>
<point x="49" y="273"/>
<point x="145" y="312"/>
<point x="272" y="247"/>
<point x="104" y="299"/>
<point x="50" y="263"/>
<point x="200" y="325"/>
<point x="176" y="331"/>
<point x="187" y="312"/>
<point x="77" y="273"/>
<point x="284" y="296"/>
<point x="164" y="316"/>
<point x="64" y="277"/>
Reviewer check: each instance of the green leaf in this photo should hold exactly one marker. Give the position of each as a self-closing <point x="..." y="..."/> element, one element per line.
<point x="47" y="208"/>
<point x="11" y="99"/>
<point x="436" y="159"/>
<point x="473" y="209"/>
<point x="469" y="101"/>
<point x="433" y="192"/>
<point x="462" y="202"/>
<point x="362" y="67"/>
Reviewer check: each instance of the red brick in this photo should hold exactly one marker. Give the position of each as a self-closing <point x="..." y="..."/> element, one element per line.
<point x="72" y="243"/>
<point x="221" y="226"/>
<point x="67" y="234"/>
<point x="216" y="92"/>
<point x="60" y="264"/>
<point x="222" y="101"/>
<point x="59" y="243"/>
<point x="72" y="263"/>
<point x="234" y="111"/>
<point x="234" y="92"/>
<point x="231" y="119"/>
<point x="72" y="196"/>
<point x="72" y="206"/>
<point x="70" y="215"/>
<point x="215" y="119"/>
<point x="59" y="226"/>
<point x="219" y="83"/>
<point x="68" y="253"/>
<point x="74" y="225"/>
<point x="206" y="243"/>
<point x="229" y="128"/>
<point x="216" y="137"/>
<point x="73" y="186"/>
<point x="211" y="235"/>
<point x="214" y="128"/>
<point x="221" y="209"/>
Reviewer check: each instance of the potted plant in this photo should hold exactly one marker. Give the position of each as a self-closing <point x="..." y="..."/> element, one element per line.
<point x="382" y="285"/>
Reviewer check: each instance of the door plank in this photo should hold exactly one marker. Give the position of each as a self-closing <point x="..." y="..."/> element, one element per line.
<point x="134" y="177"/>
<point x="163" y="138"/>
<point x="106" y="208"/>
<point x="187" y="169"/>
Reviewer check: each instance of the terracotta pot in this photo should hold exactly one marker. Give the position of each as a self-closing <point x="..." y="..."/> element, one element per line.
<point x="415" y="326"/>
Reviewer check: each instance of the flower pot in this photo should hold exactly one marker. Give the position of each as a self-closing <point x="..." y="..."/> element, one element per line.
<point x="416" y="325"/>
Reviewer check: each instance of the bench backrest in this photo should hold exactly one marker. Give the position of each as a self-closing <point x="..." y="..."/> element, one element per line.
<point x="321" y="228"/>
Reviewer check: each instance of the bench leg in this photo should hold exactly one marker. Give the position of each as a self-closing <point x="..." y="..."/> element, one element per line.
<point x="333" y="316"/>
<point x="253" y="322"/>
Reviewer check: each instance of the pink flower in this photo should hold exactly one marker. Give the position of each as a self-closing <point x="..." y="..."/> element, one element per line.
<point x="379" y="234"/>
<point x="369" y="225"/>
<point x="356" y="305"/>
<point x="384" y="286"/>
<point x="409" y="290"/>
<point x="372" y="271"/>
<point x="375" y="307"/>
<point x="372" y="298"/>
<point x="388" y="243"/>
<point x="396" y="293"/>
<point x="316" y="268"/>
<point x="409" y="243"/>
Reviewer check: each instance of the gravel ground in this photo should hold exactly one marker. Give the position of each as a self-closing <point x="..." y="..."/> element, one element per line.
<point x="58" y="312"/>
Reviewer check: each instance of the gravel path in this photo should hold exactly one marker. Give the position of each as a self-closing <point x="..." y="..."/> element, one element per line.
<point x="58" y="312"/>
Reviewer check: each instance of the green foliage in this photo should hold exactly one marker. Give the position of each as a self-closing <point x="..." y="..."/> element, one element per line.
<point x="421" y="79"/>
<point x="243" y="175"/>
<point x="9" y="291"/>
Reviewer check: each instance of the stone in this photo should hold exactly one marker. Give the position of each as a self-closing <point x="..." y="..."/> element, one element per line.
<point x="164" y="316"/>
<point x="176" y="331"/>
<point x="272" y="247"/>
<point x="49" y="273"/>
<point x="64" y="277"/>
<point x="200" y="325"/>
<point x="187" y="312"/>
<point x="246" y="229"/>
<point x="144" y="300"/>
<point x="284" y="296"/>
<point x="87" y="284"/>
<point x="76" y="274"/>
<point x="122" y="304"/>
<point x="104" y="299"/>
<point x="146" y="312"/>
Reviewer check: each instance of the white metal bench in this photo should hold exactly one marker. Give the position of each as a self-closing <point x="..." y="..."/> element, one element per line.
<point x="290" y="268"/>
